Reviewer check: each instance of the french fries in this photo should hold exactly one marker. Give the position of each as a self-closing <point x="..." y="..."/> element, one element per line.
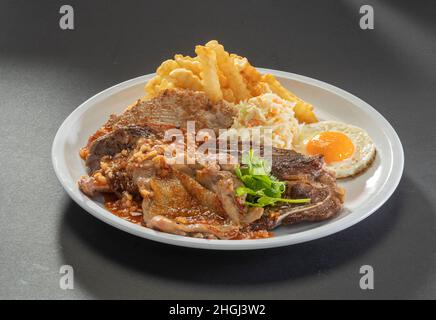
<point x="152" y="86"/>
<point x="188" y="63"/>
<point x="222" y="75"/>
<point x="166" y="67"/>
<point x="228" y="95"/>
<point x="234" y="78"/>
<point x="209" y="73"/>
<point x="186" y="79"/>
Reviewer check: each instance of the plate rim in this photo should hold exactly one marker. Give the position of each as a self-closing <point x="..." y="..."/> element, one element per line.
<point x="391" y="183"/>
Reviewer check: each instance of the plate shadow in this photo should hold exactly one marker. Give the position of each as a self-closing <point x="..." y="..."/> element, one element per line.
<point x="95" y="247"/>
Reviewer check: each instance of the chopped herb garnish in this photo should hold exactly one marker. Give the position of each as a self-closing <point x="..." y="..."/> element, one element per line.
<point x="262" y="189"/>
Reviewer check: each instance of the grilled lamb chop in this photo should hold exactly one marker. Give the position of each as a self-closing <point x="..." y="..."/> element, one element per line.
<point x="305" y="177"/>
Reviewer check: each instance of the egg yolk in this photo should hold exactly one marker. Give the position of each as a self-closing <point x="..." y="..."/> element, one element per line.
<point x="334" y="146"/>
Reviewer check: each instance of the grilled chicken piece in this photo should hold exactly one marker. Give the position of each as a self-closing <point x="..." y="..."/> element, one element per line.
<point x="218" y="184"/>
<point x="172" y="209"/>
<point x="205" y="197"/>
<point x="197" y="230"/>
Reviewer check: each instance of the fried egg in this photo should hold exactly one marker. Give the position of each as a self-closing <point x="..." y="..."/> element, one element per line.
<point x="347" y="150"/>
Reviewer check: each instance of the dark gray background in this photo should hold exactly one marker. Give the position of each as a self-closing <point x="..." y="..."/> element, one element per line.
<point x="45" y="73"/>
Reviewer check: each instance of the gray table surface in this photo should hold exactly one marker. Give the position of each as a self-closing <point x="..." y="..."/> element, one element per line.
<point x="45" y="73"/>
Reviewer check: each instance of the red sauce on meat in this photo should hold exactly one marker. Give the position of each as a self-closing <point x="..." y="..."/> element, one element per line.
<point x="100" y="132"/>
<point x="114" y="205"/>
<point x="259" y="234"/>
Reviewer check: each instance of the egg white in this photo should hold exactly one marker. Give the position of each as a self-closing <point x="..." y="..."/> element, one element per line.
<point x="364" y="147"/>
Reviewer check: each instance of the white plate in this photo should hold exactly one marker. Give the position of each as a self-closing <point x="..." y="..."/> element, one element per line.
<point x="365" y="193"/>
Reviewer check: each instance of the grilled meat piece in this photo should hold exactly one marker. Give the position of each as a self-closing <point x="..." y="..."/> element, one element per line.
<point x="172" y="209"/>
<point x="126" y="157"/>
<point x="305" y="177"/>
<point x="172" y="109"/>
<point x="196" y="230"/>
<point x="217" y="184"/>
<point x="288" y="163"/>
<point x="115" y="142"/>
<point x="91" y="186"/>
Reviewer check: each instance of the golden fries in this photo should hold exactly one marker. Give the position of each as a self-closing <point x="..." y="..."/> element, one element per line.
<point x="209" y="74"/>
<point x="228" y="95"/>
<point x="234" y="79"/>
<point x="304" y="112"/>
<point x="222" y="76"/>
<point x="186" y="79"/>
<point x="223" y="80"/>
<point x="152" y="86"/>
<point x="188" y="63"/>
<point x="249" y="72"/>
<point x="165" y="84"/>
<point x="166" y="67"/>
